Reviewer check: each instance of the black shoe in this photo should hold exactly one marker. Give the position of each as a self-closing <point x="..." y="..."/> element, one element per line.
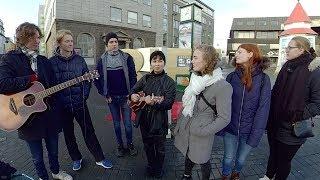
<point x="185" y="177"/>
<point x="120" y="151"/>
<point x="149" y="171"/>
<point x="132" y="150"/>
<point x="159" y="174"/>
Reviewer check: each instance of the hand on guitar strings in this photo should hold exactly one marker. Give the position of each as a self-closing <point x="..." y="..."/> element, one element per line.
<point x="150" y="99"/>
<point x="135" y="97"/>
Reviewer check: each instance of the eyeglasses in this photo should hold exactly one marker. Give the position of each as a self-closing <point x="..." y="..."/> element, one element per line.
<point x="291" y="47"/>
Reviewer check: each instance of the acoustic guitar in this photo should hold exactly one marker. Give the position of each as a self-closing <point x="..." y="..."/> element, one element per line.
<point x="135" y="106"/>
<point x="16" y="109"/>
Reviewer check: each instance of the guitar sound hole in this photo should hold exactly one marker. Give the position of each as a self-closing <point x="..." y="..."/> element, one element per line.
<point x="29" y="100"/>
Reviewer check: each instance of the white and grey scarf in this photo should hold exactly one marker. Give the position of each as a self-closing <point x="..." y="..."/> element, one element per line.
<point x="196" y="86"/>
<point x="32" y="55"/>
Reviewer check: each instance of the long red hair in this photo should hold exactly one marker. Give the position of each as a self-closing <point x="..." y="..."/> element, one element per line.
<point x="248" y="67"/>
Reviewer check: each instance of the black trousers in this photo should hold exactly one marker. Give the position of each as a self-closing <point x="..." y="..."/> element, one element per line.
<point x="281" y="155"/>
<point x="205" y="168"/>
<point x="154" y="148"/>
<point x="83" y="118"/>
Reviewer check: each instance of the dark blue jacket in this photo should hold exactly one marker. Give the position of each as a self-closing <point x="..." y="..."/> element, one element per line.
<point x="250" y="109"/>
<point x="128" y="69"/>
<point x="65" y="69"/>
<point x="15" y="76"/>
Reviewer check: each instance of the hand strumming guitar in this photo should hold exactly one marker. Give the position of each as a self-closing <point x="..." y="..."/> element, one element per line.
<point x="135" y="97"/>
<point x="149" y="100"/>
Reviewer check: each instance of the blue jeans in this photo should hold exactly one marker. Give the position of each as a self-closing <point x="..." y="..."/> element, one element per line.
<point x="234" y="147"/>
<point x="36" y="150"/>
<point x="119" y="103"/>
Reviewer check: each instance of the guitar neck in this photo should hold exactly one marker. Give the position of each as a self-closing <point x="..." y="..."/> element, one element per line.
<point x="60" y="87"/>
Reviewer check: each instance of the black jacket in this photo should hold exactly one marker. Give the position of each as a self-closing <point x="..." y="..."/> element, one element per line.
<point x="313" y="90"/>
<point x="66" y="69"/>
<point x="15" y="76"/>
<point x="155" y="118"/>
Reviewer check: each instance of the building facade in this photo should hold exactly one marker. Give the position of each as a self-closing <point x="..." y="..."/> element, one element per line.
<point x="263" y="31"/>
<point x="138" y="23"/>
<point x="2" y="38"/>
<point x="171" y="22"/>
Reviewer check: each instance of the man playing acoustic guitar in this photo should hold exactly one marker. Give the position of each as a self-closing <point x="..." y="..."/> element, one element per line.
<point x="18" y="69"/>
<point x="153" y="117"/>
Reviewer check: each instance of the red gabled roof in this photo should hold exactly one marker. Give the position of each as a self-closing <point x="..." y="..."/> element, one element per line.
<point x="298" y="15"/>
<point x="298" y="31"/>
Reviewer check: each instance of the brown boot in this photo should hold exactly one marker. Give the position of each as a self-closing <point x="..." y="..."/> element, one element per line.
<point x="235" y="176"/>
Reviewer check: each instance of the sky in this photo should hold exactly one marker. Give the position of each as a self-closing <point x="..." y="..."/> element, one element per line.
<point x="15" y="12"/>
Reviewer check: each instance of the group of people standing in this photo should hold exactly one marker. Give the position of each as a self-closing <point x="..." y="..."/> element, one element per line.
<point x="239" y="108"/>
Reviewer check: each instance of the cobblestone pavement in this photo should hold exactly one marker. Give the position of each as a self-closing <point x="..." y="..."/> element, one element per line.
<point x="305" y="165"/>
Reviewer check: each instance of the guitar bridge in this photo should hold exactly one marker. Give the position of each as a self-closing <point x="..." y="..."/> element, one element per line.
<point x="13" y="106"/>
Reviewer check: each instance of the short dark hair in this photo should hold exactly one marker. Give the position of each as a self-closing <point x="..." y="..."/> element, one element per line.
<point x="110" y="35"/>
<point x="25" y="31"/>
<point x="158" y="53"/>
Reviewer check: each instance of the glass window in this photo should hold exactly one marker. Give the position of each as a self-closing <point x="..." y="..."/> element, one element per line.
<point x="165" y="25"/>
<point x="250" y="23"/>
<point x="267" y="35"/>
<point x="274" y="23"/>
<point x="176" y="8"/>
<point x="244" y="34"/>
<point x="146" y="21"/>
<point x="132" y="17"/>
<point x="116" y="14"/>
<point x="165" y="9"/>
<point x="239" y="23"/>
<point x="86" y="44"/>
<point x="176" y="24"/>
<point x="147" y="2"/>
<point x="138" y="43"/>
<point x="262" y="23"/>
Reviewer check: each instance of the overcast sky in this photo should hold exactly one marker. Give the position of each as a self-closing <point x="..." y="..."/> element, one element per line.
<point x="15" y="12"/>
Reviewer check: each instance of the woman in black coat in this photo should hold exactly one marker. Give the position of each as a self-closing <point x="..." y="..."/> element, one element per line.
<point x="153" y="118"/>
<point x="295" y="97"/>
<point x="18" y="69"/>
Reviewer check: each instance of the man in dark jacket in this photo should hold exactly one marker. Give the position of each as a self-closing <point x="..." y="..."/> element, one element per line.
<point x="68" y="65"/>
<point x="117" y="77"/>
<point x="18" y="69"/>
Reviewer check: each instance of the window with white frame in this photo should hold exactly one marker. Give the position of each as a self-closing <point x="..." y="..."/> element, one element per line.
<point x="115" y="14"/>
<point x="244" y="34"/>
<point x="165" y="25"/>
<point x="165" y="9"/>
<point x="176" y="8"/>
<point x="86" y="43"/>
<point x="132" y="17"/>
<point x="176" y="24"/>
<point x="147" y="2"/>
<point x="146" y="20"/>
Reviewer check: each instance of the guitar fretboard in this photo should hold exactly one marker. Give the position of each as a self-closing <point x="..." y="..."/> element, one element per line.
<point x="60" y="87"/>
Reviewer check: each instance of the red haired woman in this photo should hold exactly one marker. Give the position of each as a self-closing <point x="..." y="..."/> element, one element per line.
<point x="250" y="108"/>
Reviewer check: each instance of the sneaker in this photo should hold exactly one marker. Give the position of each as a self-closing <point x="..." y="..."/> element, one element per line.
<point x="132" y="150"/>
<point x="149" y="171"/>
<point x="76" y="165"/>
<point x="266" y="178"/>
<point x="120" y="151"/>
<point x="159" y="174"/>
<point x="62" y="175"/>
<point x="186" y="177"/>
<point x="105" y="163"/>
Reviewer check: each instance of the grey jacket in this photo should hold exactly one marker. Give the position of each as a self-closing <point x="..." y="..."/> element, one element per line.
<point x="194" y="136"/>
